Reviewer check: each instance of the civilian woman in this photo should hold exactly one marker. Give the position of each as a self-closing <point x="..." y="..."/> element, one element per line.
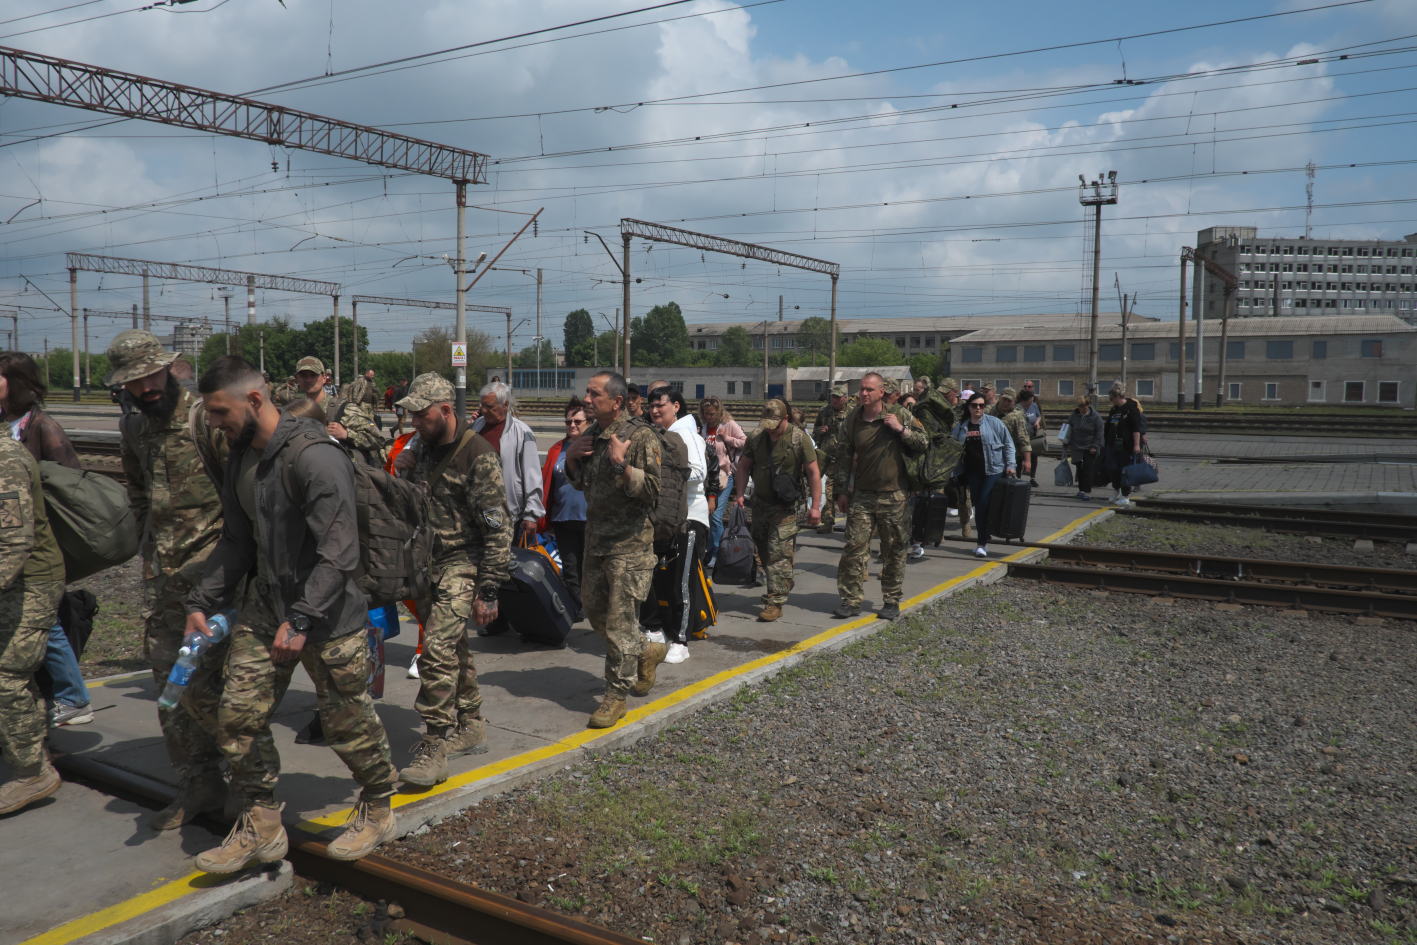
<point x="1084" y="441"/>
<point x="988" y="454"/>
<point x="565" y="504"/>
<point x="727" y="437"/>
<point x="1124" y="425"/>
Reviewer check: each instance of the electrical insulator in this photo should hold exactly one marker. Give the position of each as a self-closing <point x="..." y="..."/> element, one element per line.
<point x="534" y="228"/>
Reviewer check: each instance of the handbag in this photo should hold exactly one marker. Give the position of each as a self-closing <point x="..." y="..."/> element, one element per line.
<point x="1063" y="474"/>
<point x="1038" y="444"/>
<point x="1141" y="471"/>
<point x="1065" y="433"/>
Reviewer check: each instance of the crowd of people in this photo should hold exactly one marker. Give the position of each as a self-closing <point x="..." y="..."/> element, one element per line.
<point x="246" y="501"/>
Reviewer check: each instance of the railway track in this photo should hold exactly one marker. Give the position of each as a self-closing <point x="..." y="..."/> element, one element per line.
<point x="1374" y="526"/>
<point x="436" y="909"/>
<point x="1366" y="592"/>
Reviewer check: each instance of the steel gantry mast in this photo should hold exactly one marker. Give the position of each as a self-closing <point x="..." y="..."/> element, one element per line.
<point x="424" y="303"/>
<point x="717" y="244"/>
<point x="78" y="85"/>
<point x="1228" y="279"/>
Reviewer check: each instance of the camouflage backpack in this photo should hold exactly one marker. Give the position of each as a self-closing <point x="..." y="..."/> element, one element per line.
<point x="938" y="418"/>
<point x="671" y="512"/>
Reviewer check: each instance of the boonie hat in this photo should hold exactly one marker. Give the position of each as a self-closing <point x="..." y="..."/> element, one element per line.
<point x="136" y="353"/>
<point x="1009" y="392"/>
<point x="310" y="363"/>
<point x="427" y="390"/>
<point x="773" y="413"/>
<point x="949" y="383"/>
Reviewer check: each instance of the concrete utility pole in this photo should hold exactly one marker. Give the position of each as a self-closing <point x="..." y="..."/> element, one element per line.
<point x="460" y="325"/>
<point x="626" y="269"/>
<point x="765" y="359"/>
<point x="74" y="324"/>
<point x="263" y="351"/>
<point x="251" y="299"/>
<point x="354" y="322"/>
<point x="88" y="359"/>
<point x="135" y="314"/>
<point x="538" y="329"/>
<point x="1124" y="342"/>
<point x="336" y="298"/>
<point x="226" y="292"/>
<point x="1181" y="342"/>
<point x="1097" y="194"/>
<point x="508" y="379"/>
<point x="1204" y="266"/>
<point x="147" y="310"/>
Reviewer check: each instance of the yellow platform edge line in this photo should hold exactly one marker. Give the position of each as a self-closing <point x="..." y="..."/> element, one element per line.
<point x="170" y="892"/>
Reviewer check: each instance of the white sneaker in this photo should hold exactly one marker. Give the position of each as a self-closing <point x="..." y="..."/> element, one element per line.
<point x="916" y="551"/>
<point x="1122" y="502"/>
<point x="1116" y="494"/>
<point x="954" y="512"/>
<point x="981" y="552"/>
<point x="656" y="636"/>
<point x="678" y="653"/>
<point x="413" y="668"/>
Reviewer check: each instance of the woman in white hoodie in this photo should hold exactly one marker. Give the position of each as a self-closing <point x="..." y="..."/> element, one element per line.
<point x="668" y="411"/>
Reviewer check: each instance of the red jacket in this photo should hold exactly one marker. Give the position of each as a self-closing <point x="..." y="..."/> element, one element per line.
<point x="543" y="524"/>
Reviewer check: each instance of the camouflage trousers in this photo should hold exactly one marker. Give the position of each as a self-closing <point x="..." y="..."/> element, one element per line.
<point x="774" y="532"/>
<point x="189" y="728"/>
<point x="255" y="687"/>
<point x="27" y="611"/>
<point x="966" y="507"/>
<point x="870" y="512"/>
<point x="449" y="678"/>
<point x="612" y="588"/>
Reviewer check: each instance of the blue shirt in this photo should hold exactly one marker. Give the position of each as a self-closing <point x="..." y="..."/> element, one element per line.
<point x="567" y="502"/>
<point x="1034" y="414"/>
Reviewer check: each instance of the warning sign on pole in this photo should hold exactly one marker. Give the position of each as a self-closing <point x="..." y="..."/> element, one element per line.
<point x="459" y="355"/>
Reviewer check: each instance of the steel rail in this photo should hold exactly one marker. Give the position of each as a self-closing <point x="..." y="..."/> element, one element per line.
<point x="1402" y="607"/>
<point x="1374" y="580"/>
<point x="1277" y="511"/>
<point x="438" y="909"/>
<point x="1292" y="526"/>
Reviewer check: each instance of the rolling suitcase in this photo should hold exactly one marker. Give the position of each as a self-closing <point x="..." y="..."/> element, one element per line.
<point x="1008" y="509"/>
<point x="929" y="518"/>
<point x="737" y="561"/>
<point x="535" y="601"/>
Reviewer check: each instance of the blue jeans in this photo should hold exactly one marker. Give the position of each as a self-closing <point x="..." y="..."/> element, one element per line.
<point x="63" y="668"/>
<point x="981" y="487"/>
<point x="716" y="520"/>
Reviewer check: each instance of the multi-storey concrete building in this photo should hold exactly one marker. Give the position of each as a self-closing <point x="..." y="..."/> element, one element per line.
<point x="1296" y="276"/>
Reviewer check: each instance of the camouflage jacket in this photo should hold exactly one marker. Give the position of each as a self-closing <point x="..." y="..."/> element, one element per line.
<point x="467" y="508"/>
<point x="358" y="422"/>
<point x="284" y="394"/>
<point x="360" y="391"/>
<point x="827" y="441"/>
<point x="617" y="515"/>
<point x="175" y="501"/>
<point x="1018" y="427"/>
<point x="28" y="549"/>
<point x="938" y="418"/>
<point x="913" y="437"/>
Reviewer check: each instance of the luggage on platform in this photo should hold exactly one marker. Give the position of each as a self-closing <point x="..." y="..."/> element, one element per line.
<point x="535" y="600"/>
<point x="737" y="563"/>
<point x="1008" y="509"/>
<point x="930" y="517"/>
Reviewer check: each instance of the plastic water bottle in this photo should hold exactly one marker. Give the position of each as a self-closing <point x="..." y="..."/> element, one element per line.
<point x="194" y="647"/>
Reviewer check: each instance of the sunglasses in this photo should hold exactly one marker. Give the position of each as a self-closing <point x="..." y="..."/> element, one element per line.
<point x="973" y="405"/>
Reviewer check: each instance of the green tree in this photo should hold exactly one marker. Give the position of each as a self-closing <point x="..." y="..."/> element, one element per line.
<point x="868" y="352"/>
<point x="660" y="338"/>
<point x="388" y="366"/>
<point x="814" y="336"/>
<point x="319" y="340"/>
<point x="526" y="358"/>
<point x="735" y="349"/>
<point x="579" y="334"/>
<point x="284" y="345"/>
<point x="433" y="353"/>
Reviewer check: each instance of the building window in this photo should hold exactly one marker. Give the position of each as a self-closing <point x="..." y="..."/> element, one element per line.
<point x="566" y="380"/>
<point x="1006" y="353"/>
<point x="1146" y="388"/>
<point x="1318" y="350"/>
<point x="914" y="341"/>
<point x="792" y="341"/>
<point x="1372" y="348"/>
<point x="1176" y="346"/>
<point x="747" y="388"/>
<point x="1353" y="392"/>
<point x="699" y="391"/>
<point x="1000" y="383"/>
<point x="1271" y="390"/>
<point x="1317" y="392"/>
<point x="1235" y="350"/>
<point x="1387" y="392"/>
<point x="1234" y="392"/>
<point x="973" y="355"/>
<point x="1065" y="388"/>
<point x="1035" y="352"/>
<point x="1109" y="352"/>
<point x="713" y="344"/>
<point x="970" y="383"/>
<point x="900" y="341"/>
<point x="818" y="388"/>
<point x="777" y="342"/>
<point x="1144" y="352"/>
<point x="732" y="388"/>
<point x="930" y="341"/>
<point x="758" y="343"/>
<point x="1279" y="350"/>
<point x="1063" y="353"/>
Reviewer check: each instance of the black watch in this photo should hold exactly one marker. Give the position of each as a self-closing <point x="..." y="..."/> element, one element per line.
<point x="300" y="623"/>
<point x="488" y="593"/>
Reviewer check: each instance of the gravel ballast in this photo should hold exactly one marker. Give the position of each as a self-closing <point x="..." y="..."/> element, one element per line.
<point x="1014" y="764"/>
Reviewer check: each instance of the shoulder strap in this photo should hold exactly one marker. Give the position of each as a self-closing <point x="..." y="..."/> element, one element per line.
<point x="293" y="450"/>
<point x="442" y="467"/>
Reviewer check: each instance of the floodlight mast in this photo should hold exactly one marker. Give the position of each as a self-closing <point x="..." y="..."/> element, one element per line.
<point x="1097" y="194"/>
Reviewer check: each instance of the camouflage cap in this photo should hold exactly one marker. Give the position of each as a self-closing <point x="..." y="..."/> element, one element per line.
<point x="1009" y="392"/>
<point x="290" y="380"/>
<point x="427" y="390"/>
<point x="838" y="390"/>
<point x="987" y="385"/>
<point x="949" y="383"/>
<point x="891" y="386"/>
<point x="135" y="353"/>
<point x="310" y="363"/>
<point x="773" y="413"/>
<point x="925" y="378"/>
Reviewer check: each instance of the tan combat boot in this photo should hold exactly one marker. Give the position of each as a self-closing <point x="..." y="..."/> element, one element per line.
<point x="203" y="794"/>
<point x="965" y="531"/>
<point x="770" y="613"/>
<point x="430" y="762"/>
<point x="257" y="837"/>
<point x="470" y="737"/>
<point x="650" y="659"/>
<point x="370" y="825"/>
<point x="29" y="785"/>
<point x="612" y="710"/>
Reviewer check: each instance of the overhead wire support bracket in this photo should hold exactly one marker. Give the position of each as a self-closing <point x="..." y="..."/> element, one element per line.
<point x="718" y="244"/>
<point x="181" y="272"/>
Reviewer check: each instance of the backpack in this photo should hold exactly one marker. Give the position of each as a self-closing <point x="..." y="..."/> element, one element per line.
<point x="786" y="488"/>
<point x="672" y="510"/>
<point x="89" y="515"/>
<point x="395" y="540"/>
<point x="937" y="417"/>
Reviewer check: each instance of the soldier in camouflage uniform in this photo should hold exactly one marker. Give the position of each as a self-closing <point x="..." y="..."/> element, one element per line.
<point x="874" y="438"/>
<point x="289" y="517"/>
<point x="286" y="392"/>
<point x="351" y="423"/>
<point x="774" y="448"/>
<point x="938" y="418"/>
<point x="31" y="585"/>
<point x="620" y="479"/>
<point x="828" y="424"/>
<point x="472" y="529"/>
<point x="178" y="514"/>
<point x="362" y="391"/>
<point x="949" y="389"/>
<point x="892" y="390"/>
<point x="1013" y="417"/>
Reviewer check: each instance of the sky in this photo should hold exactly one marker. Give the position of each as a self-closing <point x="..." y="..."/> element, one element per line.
<point x="933" y="150"/>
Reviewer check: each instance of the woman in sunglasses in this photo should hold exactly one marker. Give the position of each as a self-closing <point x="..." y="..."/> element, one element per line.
<point x="988" y="454"/>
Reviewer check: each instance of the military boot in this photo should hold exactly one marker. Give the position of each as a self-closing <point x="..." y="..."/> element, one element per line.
<point x="470" y="737"/>
<point x="370" y="825"/>
<point x="612" y="710"/>
<point x="202" y="794"/>
<point x="430" y="762"/>
<point x="770" y="613"/>
<point x="827" y="526"/>
<point x="653" y="655"/>
<point x="29" y="785"/>
<point x="257" y="837"/>
<point x="965" y="531"/>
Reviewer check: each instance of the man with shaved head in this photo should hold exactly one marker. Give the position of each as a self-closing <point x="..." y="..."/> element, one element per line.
<point x="289" y="518"/>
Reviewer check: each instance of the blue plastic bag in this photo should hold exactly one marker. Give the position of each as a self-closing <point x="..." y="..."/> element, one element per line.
<point x="386" y="619"/>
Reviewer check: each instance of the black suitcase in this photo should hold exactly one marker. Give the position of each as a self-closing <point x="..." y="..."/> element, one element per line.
<point x="1008" y="509"/>
<point x="535" y="601"/>
<point x="929" y="517"/>
<point x="737" y="561"/>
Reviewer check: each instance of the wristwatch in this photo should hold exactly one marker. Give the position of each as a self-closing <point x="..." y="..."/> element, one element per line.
<point x="300" y="623"/>
<point x="619" y="468"/>
<point x="488" y="593"/>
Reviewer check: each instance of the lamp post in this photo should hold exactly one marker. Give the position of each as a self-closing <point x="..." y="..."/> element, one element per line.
<point x="226" y="292"/>
<point x="1097" y="194"/>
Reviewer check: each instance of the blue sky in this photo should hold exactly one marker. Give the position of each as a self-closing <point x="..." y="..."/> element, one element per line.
<point x="930" y="210"/>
